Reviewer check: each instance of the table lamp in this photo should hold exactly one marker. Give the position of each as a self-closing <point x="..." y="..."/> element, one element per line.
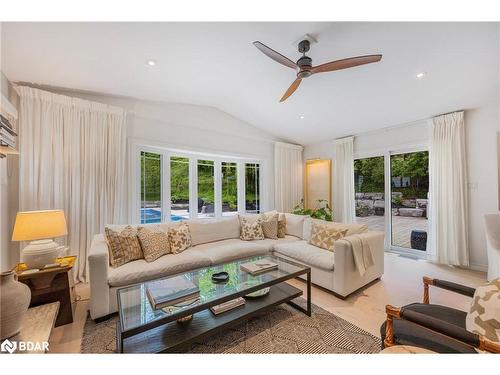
<point x="39" y="227"/>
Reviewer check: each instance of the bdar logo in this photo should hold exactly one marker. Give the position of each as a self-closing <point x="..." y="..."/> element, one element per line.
<point x="8" y="346"/>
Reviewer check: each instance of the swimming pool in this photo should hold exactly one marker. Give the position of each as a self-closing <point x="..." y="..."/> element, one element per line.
<point x="150" y="215"/>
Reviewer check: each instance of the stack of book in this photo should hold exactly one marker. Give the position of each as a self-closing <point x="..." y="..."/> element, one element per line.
<point x="226" y="306"/>
<point x="258" y="267"/>
<point x="7" y="133"/>
<point x="171" y="292"/>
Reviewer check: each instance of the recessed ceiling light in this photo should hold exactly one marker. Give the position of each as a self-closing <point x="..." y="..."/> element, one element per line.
<point x="421" y="75"/>
<point x="151" y="62"/>
<point x="301" y="117"/>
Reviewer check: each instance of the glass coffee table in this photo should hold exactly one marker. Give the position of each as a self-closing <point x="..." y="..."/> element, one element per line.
<point x="141" y="329"/>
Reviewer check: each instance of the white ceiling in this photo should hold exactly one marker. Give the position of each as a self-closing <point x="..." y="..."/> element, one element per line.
<point x="215" y="64"/>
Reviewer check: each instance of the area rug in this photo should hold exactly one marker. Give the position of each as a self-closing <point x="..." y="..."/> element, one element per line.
<point x="280" y="330"/>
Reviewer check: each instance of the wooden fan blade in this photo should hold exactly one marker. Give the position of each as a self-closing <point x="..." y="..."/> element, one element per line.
<point x="346" y="63"/>
<point x="276" y="56"/>
<point x="291" y="89"/>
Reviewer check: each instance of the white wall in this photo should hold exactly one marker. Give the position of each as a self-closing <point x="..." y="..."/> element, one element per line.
<point x="194" y="128"/>
<point x="481" y="125"/>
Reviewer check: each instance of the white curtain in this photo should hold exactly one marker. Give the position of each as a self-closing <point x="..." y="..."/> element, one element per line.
<point x="343" y="181"/>
<point x="288" y="176"/>
<point x="448" y="190"/>
<point x="72" y="157"/>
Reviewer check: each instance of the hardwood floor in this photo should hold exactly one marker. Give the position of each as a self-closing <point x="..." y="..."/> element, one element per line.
<point x="400" y="285"/>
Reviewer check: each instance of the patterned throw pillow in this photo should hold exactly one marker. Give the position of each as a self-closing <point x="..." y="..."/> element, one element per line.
<point x="325" y="236"/>
<point x="281" y="226"/>
<point x="251" y="230"/>
<point x="123" y="246"/>
<point x="484" y="314"/>
<point x="179" y="238"/>
<point x="270" y="226"/>
<point x="154" y="242"/>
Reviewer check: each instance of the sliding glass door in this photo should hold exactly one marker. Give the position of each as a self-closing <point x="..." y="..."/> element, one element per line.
<point x="151" y="187"/>
<point x="391" y="193"/>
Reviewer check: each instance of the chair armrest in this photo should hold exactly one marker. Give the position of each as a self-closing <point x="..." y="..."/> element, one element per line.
<point x="447" y="285"/>
<point x="440" y="326"/>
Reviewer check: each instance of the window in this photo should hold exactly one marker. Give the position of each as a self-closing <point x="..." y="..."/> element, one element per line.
<point x="206" y="188"/>
<point x="175" y="185"/>
<point x="229" y="189"/>
<point x="179" y="188"/>
<point x="369" y="192"/>
<point x="409" y="193"/>
<point x="252" y="187"/>
<point x="150" y="187"/>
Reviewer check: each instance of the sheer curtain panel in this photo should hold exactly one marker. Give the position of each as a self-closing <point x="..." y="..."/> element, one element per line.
<point x="343" y="180"/>
<point x="288" y="176"/>
<point x="72" y="157"/>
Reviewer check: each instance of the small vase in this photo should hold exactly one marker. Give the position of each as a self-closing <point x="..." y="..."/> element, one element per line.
<point x="14" y="302"/>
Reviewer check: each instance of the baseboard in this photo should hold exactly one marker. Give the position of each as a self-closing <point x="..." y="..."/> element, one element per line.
<point x="478" y="267"/>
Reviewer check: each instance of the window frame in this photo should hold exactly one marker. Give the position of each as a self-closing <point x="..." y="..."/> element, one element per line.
<point x="193" y="156"/>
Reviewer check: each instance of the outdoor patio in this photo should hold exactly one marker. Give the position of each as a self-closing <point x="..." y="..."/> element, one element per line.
<point x="401" y="227"/>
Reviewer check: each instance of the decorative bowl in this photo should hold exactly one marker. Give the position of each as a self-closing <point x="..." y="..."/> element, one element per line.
<point x="220" y="277"/>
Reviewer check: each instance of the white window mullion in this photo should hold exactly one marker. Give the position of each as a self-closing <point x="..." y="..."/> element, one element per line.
<point x="240" y="174"/>
<point x="193" y="188"/>
<point x="165" y="183"/>
<point x="217" y="188"/>
<point x="388" y="200"/>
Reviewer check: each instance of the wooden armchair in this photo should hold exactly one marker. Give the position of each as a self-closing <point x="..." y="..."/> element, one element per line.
<point x="434" y="327"/>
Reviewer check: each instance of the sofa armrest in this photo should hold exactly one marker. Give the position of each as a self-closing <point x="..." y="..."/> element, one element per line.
<point x="98" y="259"/>
<point x="346" y="276"/>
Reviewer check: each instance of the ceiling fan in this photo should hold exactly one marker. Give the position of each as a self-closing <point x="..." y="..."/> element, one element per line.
<point x="304" y="67"/>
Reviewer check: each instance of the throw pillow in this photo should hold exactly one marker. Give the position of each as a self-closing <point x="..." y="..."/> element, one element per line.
<point x="270" y="226"/>
<point x="295" y="224"/>
<point x="179" y="238"/>
<point x="154" y="242"/>
<point x="251" y="230"/>
<point x="281" y="226"/>
<point x="123" y="246"/>
<point x="483" y="317"/>
<point x="324" y="236"/>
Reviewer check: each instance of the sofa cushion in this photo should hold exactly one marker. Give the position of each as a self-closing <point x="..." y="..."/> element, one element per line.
<point x="351" y="228"/>
<point x="295" y="224"/>
<point x="306" y="253"/>
<point x="179" y="238"/>
<point x="270" y="242"/>
<point x="270" y="226"/>
<point x="154" y="242"/>
<point x="228" y="250"/>
<point x="251" y="230"/>
<point x="211" y="230"/>
<point x="123" y="246"/>
<point x="170" y="264"/>
<point x="324" y="236"/>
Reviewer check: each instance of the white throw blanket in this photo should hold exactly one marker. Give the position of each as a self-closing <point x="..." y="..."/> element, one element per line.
<point x="363" y="258"/>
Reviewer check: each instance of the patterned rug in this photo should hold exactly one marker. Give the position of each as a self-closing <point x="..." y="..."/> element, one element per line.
<point x="280" y="330"/>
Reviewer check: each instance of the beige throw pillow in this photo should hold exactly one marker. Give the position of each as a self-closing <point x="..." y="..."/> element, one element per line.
<point x="123" y="246"/>
<point x="251" y="230"/>
<point x="282" y="226"/>
<point x="324" y="236"/>
<point x="270" y="226"/>
<point x="179" y="238"/>
<point x="154" y="242"/>
<point x="484" y="314"/>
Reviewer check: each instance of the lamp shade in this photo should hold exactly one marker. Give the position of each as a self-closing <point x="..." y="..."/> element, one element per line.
<point x="39" y="225"/>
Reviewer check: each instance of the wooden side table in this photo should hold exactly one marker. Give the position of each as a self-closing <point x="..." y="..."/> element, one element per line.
<point x="52" y="285"/>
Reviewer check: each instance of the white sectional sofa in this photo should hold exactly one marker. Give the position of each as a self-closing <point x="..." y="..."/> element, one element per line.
<point x="217" y="241"/>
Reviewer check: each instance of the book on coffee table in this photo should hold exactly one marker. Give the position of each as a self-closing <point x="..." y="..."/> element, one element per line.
<point x="226" y="306"/>
<point x="259" y="266"/>
<point x="171" y="291"/>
